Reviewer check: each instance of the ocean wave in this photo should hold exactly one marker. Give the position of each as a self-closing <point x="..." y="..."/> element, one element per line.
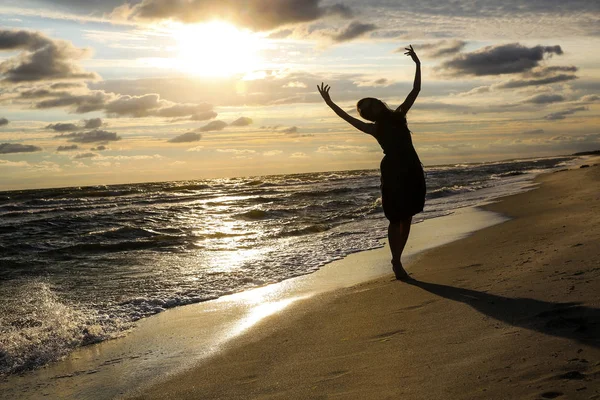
<point x="253" y="215"/>
<point x="184" y="188"/>
<point x="316" y="228"/>
<point x="507" y="174"/>
<point x="38" y="327"/>
<point x="127" y="232"/>
<point x="449" y="191"/>
<point x="157" y="242"/>
<point x="322" y="193"/>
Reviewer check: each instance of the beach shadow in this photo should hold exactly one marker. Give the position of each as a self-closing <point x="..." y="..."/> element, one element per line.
<point x="568" y="320"/>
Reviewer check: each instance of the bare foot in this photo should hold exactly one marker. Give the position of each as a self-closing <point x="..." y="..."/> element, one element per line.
<point x="399" y="271"/>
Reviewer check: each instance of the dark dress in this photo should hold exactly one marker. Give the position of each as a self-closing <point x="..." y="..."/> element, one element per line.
<point x="402" y="177"/>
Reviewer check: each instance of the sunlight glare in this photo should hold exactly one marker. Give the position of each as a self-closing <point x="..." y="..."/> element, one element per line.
<point x="216" y="49"/>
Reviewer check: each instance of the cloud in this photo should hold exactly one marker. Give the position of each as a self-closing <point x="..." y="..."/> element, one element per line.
<point x="290" y="130"/>
<point x="213" y="126"/>
<point x="260" y="15"/>
<point x="242" y="121"/>
<point x="186" y="138"/>
<point x="272" y="153"/>
<point x="298" y="154"/>
<point x="62" y="127"/>
<point x="371" y="83"/>
<point x="477" y="90"/>
<point x="589" y="98"/>
<point x="3" y="121"/>
<point x="69" y="127"/>
<point x="352" y="31"/>
<point x="544" y="99"/>
<point x="203" y="116"/>
<point x="443" y="48"/>
<point x="8" y="148"/>
<point x="517" y="83"/>
<point x="93" y="123"/>
<point x="295" y="84"/>
<point x="67" y="148"/>
<point x="533" y="132"/>
<point x="497" y="60"/>
<point x="41" y="58"/>
<point x="85" y="155"/>
<point x="197" y="148"/>
<point x="96" y="135"/>
<point x="236" y="151"/>
<point x="341" y="149"/>
<point x="280" y="34"/>
<point x="563" y="114"/>
<point x="118" y="105"/>
<point x="99" y="148"/>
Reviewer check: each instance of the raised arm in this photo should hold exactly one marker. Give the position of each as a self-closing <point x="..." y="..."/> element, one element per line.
<point x="357" y="123"/>
<point x="412" y="96"/>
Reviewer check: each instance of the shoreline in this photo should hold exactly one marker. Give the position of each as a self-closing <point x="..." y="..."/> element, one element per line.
<point x="176" y="339"/>
<point x="74" y="368"/>
<point x="523" y="292"/>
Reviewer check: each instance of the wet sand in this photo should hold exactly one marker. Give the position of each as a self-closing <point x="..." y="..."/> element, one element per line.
<point x="509" y="312"/>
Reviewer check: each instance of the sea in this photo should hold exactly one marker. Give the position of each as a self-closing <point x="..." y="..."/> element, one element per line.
<point x="80" y="265"/>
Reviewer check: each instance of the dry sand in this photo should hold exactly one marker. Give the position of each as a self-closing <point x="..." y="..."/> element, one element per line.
<point x="511" y="312"/>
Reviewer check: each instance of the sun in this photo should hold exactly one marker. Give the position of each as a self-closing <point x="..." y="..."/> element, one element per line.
<point x="216" y="49"/>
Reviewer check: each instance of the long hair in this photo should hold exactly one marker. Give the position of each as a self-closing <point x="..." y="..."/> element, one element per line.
<point x="388" y="115"/>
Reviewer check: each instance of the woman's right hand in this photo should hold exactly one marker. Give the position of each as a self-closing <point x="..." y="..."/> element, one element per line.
<point x="324" y="91"/>
<point x="411" y="53"/>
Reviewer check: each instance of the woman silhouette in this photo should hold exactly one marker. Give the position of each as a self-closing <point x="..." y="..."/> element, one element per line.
<point x="402" y="177"/>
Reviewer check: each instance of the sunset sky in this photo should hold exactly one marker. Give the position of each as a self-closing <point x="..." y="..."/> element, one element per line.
<point x="101" y="92"/>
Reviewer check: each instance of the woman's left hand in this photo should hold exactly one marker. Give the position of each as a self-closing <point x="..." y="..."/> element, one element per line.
<point x="324" y="91"/>
<point x="411" y="52"/>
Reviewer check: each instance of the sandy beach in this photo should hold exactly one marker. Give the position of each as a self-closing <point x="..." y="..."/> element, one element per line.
<point x="510" y="312"/>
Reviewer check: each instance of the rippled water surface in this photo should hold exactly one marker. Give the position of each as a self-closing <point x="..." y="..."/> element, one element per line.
<point x="78" y="265"/>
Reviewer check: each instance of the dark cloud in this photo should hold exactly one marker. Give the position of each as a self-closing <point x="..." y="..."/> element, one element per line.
<point x="3" y="121"/>
<point x="40" y="93"/>
<point x="563" y="114"/>
<point x="497" y="60"/>
<point x="182" y="110"/>
<point x="117" y="105"/>
<point x="589" y="98"/>
<point x="66" y="85"/>
<point x="7" y="148"/>
<point x="69" y="127"/>
<point x="203" y="116"/>
<point x="92" y="123"/>
<point x="389" y="34"/>
<point x="543" y="72"/>
<point x="99" y="148"/>
<point x="534" y="132"/>
<point x="443" y="48"/>
<point x="97" y="135"/>
<point x="63" y="127"/>
<point x="67" y="148"/>
<point x="487" y="8"/>
<point x="258" y="15"/>
<point x="544" y="99"/>
<point x="352" y="31"/>
<point x="95" y="100"/>
<point x="85" y="155"/>
<point x="186" y="138"/>
<point x="517" y="83"/>
<point x="242" y="121"/>
<point x="290" y="130"/>
<point x="213" y="126"/>
<point x="41" y="58"/>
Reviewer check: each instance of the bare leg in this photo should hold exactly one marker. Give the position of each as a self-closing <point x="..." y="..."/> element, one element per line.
<point x="398" y="236"/>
